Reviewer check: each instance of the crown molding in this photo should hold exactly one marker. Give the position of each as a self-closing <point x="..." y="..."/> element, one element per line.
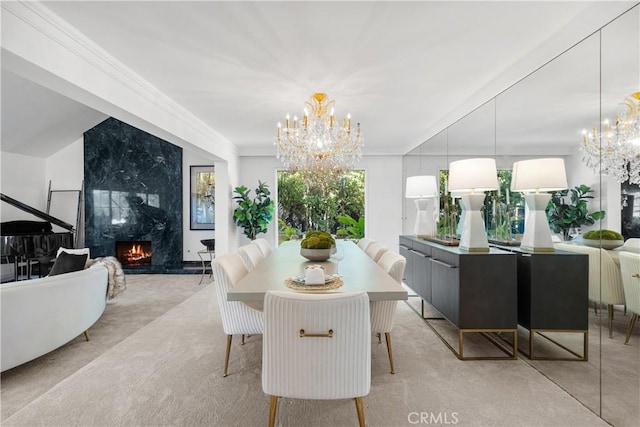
<point x="59" y="31"/>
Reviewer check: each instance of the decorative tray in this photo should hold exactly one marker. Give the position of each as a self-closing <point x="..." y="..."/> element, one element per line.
<point x="335" y="283"/>
<point x="300" y="280"/>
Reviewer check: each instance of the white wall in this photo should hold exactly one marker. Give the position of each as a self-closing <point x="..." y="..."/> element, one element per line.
<point x="65" y="170"/>
<point x="383" y="194"/>
<point x="22" y="178"/>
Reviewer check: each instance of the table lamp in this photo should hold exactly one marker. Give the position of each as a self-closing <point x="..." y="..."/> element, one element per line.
<point x="532" y="177"/>
<point x="423" y="189"/>
<point x="474" y="177"/>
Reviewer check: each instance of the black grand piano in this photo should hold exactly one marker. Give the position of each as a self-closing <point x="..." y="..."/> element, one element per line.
<point x="31" y="242"/>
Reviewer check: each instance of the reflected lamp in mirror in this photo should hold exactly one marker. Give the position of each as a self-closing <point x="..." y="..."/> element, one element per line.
<point x="473" y="177"/>
<point x="423" y="189"/>
<point x="535" y="177"/>
<point x="463" y="211"/>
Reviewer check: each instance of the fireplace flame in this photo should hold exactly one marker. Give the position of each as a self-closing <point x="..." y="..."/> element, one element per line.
<point x="137" y="253"/>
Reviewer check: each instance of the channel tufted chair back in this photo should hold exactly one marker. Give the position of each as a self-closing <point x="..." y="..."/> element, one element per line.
<point x="316" y="346"/>
<point x="630" y="269"/>
<point x="383" y="312"/>
<point x="251" y="255"/>
<point x="237" y="317"/>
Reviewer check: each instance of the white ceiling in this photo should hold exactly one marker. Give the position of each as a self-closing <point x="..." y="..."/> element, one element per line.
<point x="404" y="70"/>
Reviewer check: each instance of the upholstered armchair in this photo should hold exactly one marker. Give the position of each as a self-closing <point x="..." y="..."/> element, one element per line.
<point x="251" y="255"/>
<point x="264" y="245"/>
<point x="237" y="317"/>
<point x="375" y="250"/>
<point x="605" y="281"/>
<point x="630" y="269"/>
<point x="316" y="346"/>
<point x="383" y="312"/>
<point x="364" y="243"/>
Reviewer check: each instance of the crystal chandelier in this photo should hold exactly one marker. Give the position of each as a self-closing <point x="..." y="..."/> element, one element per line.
<point x="616" y="151"/>
<point x="317" y="142"/>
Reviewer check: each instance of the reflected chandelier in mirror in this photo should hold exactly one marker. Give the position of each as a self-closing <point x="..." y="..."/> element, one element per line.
<point x="616" y="152"/>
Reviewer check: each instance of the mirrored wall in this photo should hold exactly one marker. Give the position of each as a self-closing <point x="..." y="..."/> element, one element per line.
<point x="544" y="115"/>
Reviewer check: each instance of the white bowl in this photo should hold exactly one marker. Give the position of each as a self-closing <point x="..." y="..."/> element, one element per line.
<point x="604" y="244"/>
<point x="316" y="254"/>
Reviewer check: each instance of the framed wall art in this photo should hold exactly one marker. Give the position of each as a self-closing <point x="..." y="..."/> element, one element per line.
<point x="203" y="201"/>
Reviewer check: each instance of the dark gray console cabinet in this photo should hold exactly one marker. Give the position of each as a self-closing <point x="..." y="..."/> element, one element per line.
<point x="553" y="294"/>
<point x="475" y="291"/>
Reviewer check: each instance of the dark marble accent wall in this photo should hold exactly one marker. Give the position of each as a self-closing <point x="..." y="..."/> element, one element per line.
<point x="133" y="191"/>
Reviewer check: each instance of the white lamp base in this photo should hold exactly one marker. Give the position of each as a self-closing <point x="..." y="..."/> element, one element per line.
<point x="474" y="235"/>
<point x="425" y="219"/>
<point x="537" y="234"/>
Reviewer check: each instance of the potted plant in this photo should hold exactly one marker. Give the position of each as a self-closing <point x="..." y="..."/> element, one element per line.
<point x="253" y="216"/>
<point x="317" y="245"/>
<point x="564" y="215"/>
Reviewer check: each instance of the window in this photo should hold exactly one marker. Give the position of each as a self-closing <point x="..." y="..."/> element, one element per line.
<point x="315" y="203"/>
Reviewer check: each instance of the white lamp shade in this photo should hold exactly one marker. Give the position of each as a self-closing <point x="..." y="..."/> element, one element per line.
<point x="473" y="175"/>
<point x="539" y="175"/>
<point x="421" y="187"/>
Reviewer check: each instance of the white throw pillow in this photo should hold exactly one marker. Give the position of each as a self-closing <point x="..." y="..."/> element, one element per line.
<point x="81" y="251"/>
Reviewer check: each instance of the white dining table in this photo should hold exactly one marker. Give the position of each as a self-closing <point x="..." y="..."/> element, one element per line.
<point x="358" y="273"/>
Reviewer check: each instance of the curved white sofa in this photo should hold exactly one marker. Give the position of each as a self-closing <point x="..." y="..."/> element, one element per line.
<point x="40" y="315"/>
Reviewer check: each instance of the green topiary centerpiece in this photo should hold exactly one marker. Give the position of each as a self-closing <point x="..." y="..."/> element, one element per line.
<point x="603" y="235"/>
<point x="316" y="245"/>
<point x="607" y="239"/>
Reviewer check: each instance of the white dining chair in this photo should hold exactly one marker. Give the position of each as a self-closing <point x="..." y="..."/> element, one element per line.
<point x="364" y="243"/>
<point x="631" y="245"/>
<point x="264" y="245"/>
<point x="316" y="346"/>
<point x="630" y="268"/>
<point x="605" y="280"/>
<point x="383" y="312"/>
<point x="375" y="250"/>
<point x="251" y="255"/>
<point x="237" y="317"/>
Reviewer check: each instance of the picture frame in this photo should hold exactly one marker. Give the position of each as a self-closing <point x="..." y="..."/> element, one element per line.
<point x="202" y="197"/>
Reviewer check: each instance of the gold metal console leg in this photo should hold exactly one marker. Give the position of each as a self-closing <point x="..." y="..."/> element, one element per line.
<point x="387" y="336"/>
<point x="272" y="411"/>
<point x="360" y="410"/>
<point x="226" y="357"/>
<point x="86" y="335"/>
<point x="630" y="328"/>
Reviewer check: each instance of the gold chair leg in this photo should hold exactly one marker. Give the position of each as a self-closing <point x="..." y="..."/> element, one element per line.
<point x="86" y="335"/>
<point x="226" y="357"/>
<point x="379" y="335"/>
<point x="272" y="411"/>
<point x="387" y="336"/>
<point x="360" y="410"/>
<point x="610" y="312"/>
<point x="242" y="339"/>
<point x="632" y="323"/>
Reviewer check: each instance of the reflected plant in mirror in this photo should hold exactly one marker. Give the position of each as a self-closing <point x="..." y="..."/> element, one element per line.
<point x="565" y="215"/>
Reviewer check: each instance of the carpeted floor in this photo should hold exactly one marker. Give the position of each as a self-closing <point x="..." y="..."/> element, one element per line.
<point x="156" y="358"/>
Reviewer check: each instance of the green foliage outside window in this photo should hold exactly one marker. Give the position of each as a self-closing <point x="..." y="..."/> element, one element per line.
<point x="306" y="203"/>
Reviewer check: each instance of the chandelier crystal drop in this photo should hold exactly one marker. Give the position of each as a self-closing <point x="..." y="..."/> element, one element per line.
<point x="318" y="142"/>
<point x="616" y="151"/>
